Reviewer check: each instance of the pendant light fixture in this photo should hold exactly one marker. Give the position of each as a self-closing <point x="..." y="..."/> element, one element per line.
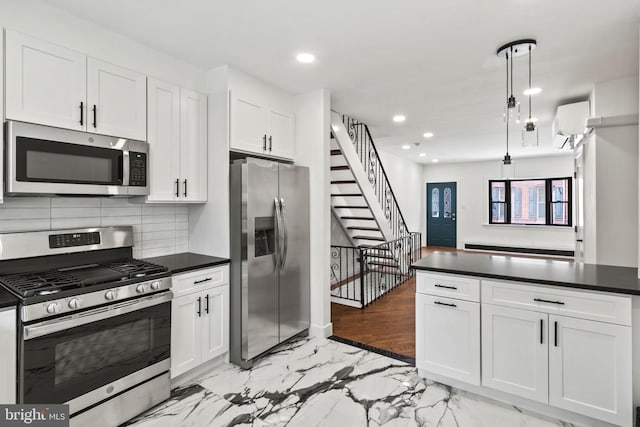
<point x="530" y="131"/>
<point x="512" y="107"/>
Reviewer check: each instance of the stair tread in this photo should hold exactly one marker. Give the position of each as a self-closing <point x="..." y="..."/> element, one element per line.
<point x="377" y="239"/>
<point x="344" y="181"/>
<point x="381" y="256"/>
<point x="336" y="152"/>
<point x="346" y="195"/>
<point x="340" y="168"/>
<point x="384" y="264"/>
<point x="355" y="227"/>
<point x="350" y="207"/>
<point x="373" y="247"/>
<point x="361" y="218"/>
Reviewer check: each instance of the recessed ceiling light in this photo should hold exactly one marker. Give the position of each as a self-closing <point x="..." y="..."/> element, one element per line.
<point x="435" y="160"/>
<point x="532" y="91"/>
<point x="305" y="58"/>
<point x="428" y="134"/>
<point x="399" y="118"/>
<point x="423" y="154"/>
<point x="406" y="147"/>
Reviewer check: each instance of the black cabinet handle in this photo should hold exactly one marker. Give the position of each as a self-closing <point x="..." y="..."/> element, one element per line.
<point x="208" y="279"/>
<point x="81" y="113"/>
<point x="444" y="303"/>
<point x="547" y="301"/>
<point x="541" y="333"/>
<point x="269" y="143"/>
<point x="199" y="306"/>
<point x="264" y="142"/>
<point x="95" y="124"/>
<point x="555" y="334"/>
<point x="177" y="188"/>
<point x="206" y="307"/>
<point x="185" y="187"/>
<point x="446" y="287"/>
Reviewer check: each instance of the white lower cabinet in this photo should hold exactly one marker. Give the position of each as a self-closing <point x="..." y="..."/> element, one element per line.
<point x="448" y="337"/>
<point x="590" y="368"/>
<point x="542" y="343"/>
<point x="199" y="324"/>
<point x="514" y="351"/>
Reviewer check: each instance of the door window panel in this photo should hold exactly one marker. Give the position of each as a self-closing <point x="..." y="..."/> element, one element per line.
<point x="435" y="203"/>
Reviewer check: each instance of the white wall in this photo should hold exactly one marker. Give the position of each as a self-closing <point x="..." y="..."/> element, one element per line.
<point x="472" y="202"/>
<point x="312" y="150"/>
<point x="405" y="178"/>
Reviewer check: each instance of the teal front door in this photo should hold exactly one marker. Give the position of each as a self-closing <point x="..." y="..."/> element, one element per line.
<point x="441" y="214"/>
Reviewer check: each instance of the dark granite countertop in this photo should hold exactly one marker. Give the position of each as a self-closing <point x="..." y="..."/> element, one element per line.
<point x="187" y="261"/>
<point x="607" y="278"/>
<point x="7" y="299"/>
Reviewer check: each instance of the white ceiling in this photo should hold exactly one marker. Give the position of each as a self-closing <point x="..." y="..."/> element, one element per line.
<point x="433" y="61"/>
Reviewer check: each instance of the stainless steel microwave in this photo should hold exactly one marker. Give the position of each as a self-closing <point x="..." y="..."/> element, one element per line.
<point x="46" y="160"/>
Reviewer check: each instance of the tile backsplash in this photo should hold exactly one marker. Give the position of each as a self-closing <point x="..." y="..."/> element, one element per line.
<point x="159" y="229"/>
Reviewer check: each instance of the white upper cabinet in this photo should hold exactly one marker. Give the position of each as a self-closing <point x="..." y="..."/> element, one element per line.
<point x="164" y="141"/>
<point x="52" y="85"/>
<point x="45" y="83"/>
<point x="117" y="100"/>
<point x="261" y="122"/>
<point x="177" y="143"/>
<point x="193" y="145"/>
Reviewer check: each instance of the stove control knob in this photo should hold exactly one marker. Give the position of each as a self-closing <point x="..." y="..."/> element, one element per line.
<point x="155" y="285"/>
<point x="53" y="308"/>
<point x="74" y="303"/>
<point x="140" y="289"/>
<point x="110" y="295"/>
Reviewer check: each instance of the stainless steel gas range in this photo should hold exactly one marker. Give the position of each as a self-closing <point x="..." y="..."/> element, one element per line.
<point x="94" y="323"/>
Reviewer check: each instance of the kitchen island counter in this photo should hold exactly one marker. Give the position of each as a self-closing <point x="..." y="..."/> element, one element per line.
<point x="570" y="274"/>
<point x="187" y="261"/>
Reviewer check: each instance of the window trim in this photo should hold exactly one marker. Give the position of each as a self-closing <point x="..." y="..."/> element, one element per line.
<point x="548" y="203"/>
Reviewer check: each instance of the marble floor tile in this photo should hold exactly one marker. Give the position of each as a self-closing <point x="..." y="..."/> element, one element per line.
<point x="317" y="382"/>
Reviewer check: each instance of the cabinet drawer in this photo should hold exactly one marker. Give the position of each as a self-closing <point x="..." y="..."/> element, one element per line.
<point x="198" y="280"/>
<point x="601" y="306"/>
<point x="446" y="285"/>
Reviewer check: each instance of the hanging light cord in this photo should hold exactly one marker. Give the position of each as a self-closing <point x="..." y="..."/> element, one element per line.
<point x="529" y="82"/>
<point x="511" y="69"/>
<point x="507" y="112"/>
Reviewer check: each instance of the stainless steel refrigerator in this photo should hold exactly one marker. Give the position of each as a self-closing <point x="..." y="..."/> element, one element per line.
<point x="269" y="256"/>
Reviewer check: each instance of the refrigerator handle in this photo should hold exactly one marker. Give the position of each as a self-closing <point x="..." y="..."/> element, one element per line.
<point x="285" y="234"/>
<point x="278" y="250"/>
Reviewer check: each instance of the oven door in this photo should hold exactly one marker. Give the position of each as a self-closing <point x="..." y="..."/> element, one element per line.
<point x="88" y="357"/>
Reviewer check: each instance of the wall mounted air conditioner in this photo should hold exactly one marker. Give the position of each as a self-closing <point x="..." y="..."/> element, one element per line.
<point x="569" y="124"/>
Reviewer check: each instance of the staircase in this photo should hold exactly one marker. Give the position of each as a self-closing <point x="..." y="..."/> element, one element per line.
<point x="363" y="202"/>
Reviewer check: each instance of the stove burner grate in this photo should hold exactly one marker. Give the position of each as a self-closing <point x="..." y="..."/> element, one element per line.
<point x="42" y="283"/>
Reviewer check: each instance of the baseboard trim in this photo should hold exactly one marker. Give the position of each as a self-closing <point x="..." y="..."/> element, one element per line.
<point x="520" y="250"/>
<point x="321" y="331"/>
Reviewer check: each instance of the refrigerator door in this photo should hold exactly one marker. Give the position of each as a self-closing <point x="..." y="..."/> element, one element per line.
<point x="294" y="272"/>
<point x="260" y="330"/>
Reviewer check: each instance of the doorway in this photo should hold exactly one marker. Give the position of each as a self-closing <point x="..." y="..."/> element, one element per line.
<point x="441" y="214"/>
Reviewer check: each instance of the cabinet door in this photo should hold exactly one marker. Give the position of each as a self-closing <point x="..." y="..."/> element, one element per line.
<point x="590" y="368"/>
<point x="119" y="97"/>
<point x="164" y="141"/>
<point x="45" y="83"/>
<point x="448" y="337"/>
<point x="186" y="333"/>
<point x="193" y="146"/>
<point x="280" y="133"/>
<point x="514" y="351"/>
<point x="248" y="124"/>
<point x="215" y="327"/>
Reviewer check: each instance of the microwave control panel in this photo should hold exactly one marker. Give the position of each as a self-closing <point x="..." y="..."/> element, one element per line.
<point x="137" y="169"/>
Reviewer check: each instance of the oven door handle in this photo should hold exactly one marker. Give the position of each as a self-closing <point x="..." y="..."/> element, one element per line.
<point x="51" y="326"/>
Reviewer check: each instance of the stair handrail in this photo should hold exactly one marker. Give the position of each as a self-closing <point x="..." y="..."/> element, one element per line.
<point x="351" y="123"/>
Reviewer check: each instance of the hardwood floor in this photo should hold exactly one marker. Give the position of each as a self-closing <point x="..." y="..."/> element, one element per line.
<point x="388" y="323"/>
